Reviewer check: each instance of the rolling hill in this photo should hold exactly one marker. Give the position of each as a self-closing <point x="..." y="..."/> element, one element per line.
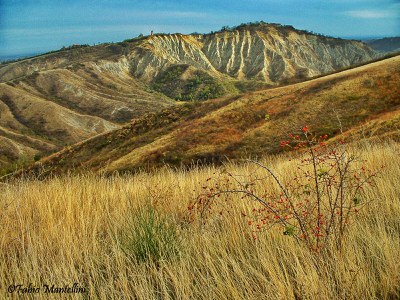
<point x="389" y="44"/>
<point x="365" y="99"/>
<point x="57" y="99"/>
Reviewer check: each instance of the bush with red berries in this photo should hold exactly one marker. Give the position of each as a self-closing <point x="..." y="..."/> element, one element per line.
<point x="315" y="206"/>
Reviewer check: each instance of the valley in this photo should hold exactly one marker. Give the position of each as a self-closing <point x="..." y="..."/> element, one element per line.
<point x="363" y="102"/>
<point x="58" y="99"/>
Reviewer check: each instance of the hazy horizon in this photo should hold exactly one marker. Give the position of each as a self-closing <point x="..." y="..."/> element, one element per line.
<point x="33" y="27"/>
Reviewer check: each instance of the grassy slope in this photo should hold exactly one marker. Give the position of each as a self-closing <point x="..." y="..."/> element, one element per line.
<point x="73" y="229"/>
<point x="251" y="124"/>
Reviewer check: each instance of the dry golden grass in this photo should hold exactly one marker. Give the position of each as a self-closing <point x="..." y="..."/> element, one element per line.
<point x="73" y="229"/>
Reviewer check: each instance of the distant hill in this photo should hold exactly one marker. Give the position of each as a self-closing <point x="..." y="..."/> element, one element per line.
<point x="390" y="44"/>
<point x="366" y="100"/>
<point x="9" y="58"/>
<point x="59" y="98"/>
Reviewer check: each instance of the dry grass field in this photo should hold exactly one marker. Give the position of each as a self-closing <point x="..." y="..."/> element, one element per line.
<point x="94" y="230"/>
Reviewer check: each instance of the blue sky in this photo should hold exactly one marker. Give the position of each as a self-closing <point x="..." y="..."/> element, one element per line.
<point x="28" y="26"/>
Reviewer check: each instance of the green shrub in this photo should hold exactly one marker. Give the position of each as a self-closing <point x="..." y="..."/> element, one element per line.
<point x="151" y="237"/>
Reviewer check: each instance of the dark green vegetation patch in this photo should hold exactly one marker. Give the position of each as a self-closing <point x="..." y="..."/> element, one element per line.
<point x="196" y="85"/>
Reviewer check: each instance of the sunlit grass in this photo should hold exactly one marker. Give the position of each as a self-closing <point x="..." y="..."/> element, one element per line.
<point x="74" y="229"/>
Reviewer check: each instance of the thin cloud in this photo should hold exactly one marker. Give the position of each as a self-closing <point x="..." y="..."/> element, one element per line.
<point x="180" y="14"/>
<point x="369" y="14"/>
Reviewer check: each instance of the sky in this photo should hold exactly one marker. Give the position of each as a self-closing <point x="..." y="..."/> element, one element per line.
<point x="29" y="27"/>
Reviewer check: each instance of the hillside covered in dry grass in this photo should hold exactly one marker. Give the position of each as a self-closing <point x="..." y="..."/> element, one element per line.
<point x="84" y="229"/>
<point x="363" y="101"/>
<point x="59" y="98"/>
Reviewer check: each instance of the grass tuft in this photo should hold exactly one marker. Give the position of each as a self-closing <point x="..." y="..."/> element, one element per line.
<point x="150" y="236"/>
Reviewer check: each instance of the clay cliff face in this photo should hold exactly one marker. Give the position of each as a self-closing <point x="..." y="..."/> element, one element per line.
<point x="265" y="53"/>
